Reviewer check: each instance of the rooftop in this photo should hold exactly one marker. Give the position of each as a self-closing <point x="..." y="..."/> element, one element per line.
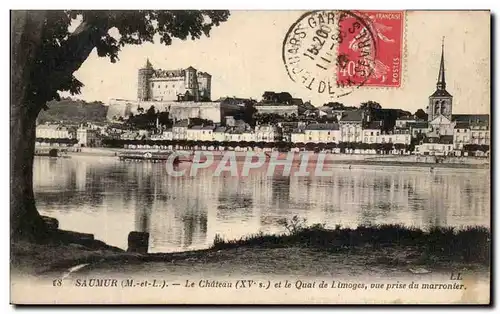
<point x="181" y="123"/>
<point x="419" y="125"/>
<point x="202" y="127"/>
<point x="441" y="93"/>
<point x="471" y="118"/>
<point x="322" y="126"/>
<point x="462" y="125"/>
<point x="443" y="139"/>
<point x="411" y="118"/>
<point x="374" y="125"/>
<point x="355" y="116"/>
<point x="266" y="104"/>
<point x="297" y="101"/>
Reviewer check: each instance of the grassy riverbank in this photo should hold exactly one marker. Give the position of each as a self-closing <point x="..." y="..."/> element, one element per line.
<point x="382" y="247"/>
<point x="471" y="244"/>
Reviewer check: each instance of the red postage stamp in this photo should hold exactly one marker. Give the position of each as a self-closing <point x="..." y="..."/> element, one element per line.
<point x="386" y="29"/>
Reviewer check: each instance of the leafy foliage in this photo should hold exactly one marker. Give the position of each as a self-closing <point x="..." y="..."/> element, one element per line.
<point x="338" y="106"/>
<point x="370" y="105"/>
<point x="247" y="113"/>
<point x="476" y="147"/>
<point x="293" y="225"/>
<point x="148" y="120"/>
<point x="421" y="115"/>
<point x="273" y="118"/>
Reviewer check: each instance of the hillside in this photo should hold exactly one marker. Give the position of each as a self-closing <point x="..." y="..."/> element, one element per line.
<point x="74" y="111"/>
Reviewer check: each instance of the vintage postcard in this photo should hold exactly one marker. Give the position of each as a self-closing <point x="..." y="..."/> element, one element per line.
<point x="250" y="157"/>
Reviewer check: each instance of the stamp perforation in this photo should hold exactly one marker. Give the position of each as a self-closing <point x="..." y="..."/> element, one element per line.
<point x="404" y="65"/>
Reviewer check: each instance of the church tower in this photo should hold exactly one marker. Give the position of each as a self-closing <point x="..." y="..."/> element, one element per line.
<point x="440" y="102"/>
<point x="143" y="76"/>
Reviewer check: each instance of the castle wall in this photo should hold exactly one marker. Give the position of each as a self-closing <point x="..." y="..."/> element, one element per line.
<point x="166" y="89"/>
<point x="282" y="110"/>
<point x="120" y="108"/>
<point x="177" y="110"/>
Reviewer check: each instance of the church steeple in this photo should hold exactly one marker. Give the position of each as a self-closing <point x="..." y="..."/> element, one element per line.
<point x="440" y="102"/>
<point x="441" y="82"/>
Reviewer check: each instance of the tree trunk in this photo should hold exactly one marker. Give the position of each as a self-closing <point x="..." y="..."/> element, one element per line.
<point x="25" y="219"/>
<point x="26" y="33"/>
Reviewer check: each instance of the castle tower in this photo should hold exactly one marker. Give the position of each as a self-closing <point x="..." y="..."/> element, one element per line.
<point x="192" y="83"/>
<point x="440" y="102"/>
<point x="143" y="76"/>
<point x="205" y="85"/>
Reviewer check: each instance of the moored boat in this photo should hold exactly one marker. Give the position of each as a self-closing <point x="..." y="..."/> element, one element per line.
<point x="152" y="156"/>
<point x="51" y="152"/>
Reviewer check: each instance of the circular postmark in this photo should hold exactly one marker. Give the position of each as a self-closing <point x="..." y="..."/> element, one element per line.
<point x="332" y="52"/>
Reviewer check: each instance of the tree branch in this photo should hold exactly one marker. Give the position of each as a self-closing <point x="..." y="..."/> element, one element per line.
<point x="74" y="52"/>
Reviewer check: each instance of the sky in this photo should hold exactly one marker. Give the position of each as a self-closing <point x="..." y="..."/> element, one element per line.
<point x="243" y="55"/>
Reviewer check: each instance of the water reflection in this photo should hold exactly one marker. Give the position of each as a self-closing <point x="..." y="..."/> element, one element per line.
<point x="111" y="198"/>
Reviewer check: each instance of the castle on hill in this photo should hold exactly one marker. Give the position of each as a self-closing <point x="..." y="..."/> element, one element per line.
<point x="184" y="93"/>
<point x="173" y="85"/>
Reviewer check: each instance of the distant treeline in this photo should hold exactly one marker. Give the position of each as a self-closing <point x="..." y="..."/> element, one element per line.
<point x="476" y="147"/>
<point x="73" y="111"/>
<point x="281" y="145"/>
<point x="284" y="146"/>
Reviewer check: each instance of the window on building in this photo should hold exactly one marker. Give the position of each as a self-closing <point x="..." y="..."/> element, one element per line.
<point x="152" y="84"/>
<point x="366" y="139"/>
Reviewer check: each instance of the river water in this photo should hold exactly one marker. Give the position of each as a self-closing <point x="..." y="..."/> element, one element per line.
<point x="109" y="198"/>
